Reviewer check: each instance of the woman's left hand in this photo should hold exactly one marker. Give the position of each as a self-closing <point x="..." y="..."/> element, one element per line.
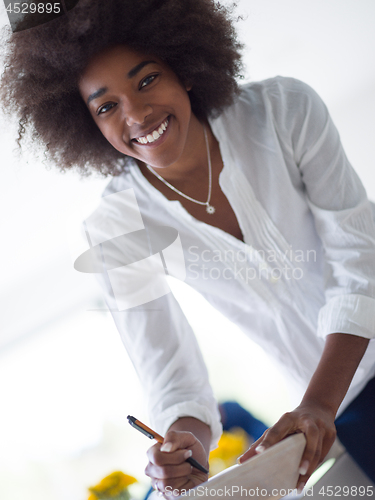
<point x="317" y="424"/>
<point x="315" y="416"/>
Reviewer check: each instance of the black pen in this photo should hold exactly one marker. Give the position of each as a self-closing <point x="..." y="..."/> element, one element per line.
<point x="137" y="424"/>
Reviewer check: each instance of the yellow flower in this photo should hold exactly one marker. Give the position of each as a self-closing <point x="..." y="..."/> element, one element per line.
<point x="231" y="446"/>
<point x="111" y="486"/>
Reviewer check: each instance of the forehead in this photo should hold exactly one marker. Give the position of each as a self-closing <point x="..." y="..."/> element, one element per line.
<point x="111" y="62"/>
<point x="118" y="53"/>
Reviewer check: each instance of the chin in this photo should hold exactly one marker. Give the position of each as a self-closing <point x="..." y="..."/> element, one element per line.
<point x="162" y="161"/>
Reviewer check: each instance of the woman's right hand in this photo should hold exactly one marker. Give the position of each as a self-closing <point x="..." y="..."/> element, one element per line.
<point x="167" y="467"/>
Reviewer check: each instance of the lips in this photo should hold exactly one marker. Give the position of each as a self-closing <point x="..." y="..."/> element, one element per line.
<point x="153" y="135"/>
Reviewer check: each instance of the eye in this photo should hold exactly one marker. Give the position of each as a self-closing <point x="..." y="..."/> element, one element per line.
<point x="146" y="81"/>
<point x="105" y="108"/>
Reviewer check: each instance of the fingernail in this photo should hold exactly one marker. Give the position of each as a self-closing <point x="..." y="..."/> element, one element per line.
<point x="260" y="448"/>
<point x="166" y="447"/>
<point x="304" y="467"/>
<point x="300" y="488"/>
<point x="238" y="461"/>
<point x="187" y="454"/>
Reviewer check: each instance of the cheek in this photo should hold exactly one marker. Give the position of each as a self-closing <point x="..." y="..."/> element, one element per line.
<point x="185" y="99"/>
<point x="176" y="94"/>
<point x="108" y="134"/>
<point x="182" y="103"/>
<point x="112" y="132"/>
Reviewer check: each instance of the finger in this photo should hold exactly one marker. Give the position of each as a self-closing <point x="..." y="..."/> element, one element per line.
<point x="168" y="471"/>
<point x="328" y="440"/>
<point x="251" y="451"/>
<point x="271" y="436"/>
<point x="177" y="486"/>
<point x="325" y="442"/>
<point x="154" y="484"/>
<point x="312" y="451"/>
<point x="308" y="463"/>
<point x="316" y="458"/>
<point x="158" y="457"/>
<point x="175" y="440"/>
<point x="172" y="487"/>
<point x="282" y="428"/>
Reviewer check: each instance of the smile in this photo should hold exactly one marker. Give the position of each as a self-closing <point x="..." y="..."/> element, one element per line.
<point x="155" y="135"/>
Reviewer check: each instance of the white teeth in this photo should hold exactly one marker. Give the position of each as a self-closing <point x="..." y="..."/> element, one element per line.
<point x="154" y="136"/>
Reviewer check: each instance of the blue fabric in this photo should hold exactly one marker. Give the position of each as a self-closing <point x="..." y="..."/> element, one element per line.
<point x="149" y="493"/>
<point x="356" y="429"/>
<point x="233" y="415"/>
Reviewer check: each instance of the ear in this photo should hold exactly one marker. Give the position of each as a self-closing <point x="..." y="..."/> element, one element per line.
<point x="188" y="87"/>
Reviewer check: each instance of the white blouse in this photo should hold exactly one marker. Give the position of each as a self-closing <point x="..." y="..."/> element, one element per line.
<point x="306" y="267"/>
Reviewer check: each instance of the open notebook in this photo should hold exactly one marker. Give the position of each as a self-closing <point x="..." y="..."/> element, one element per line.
<point x="271" y="475"/>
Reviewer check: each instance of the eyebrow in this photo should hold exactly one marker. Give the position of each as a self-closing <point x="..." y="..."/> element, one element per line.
<point x="131" y="74"/>
<point x="96" y="94"/>
<point x="138" y="68"/>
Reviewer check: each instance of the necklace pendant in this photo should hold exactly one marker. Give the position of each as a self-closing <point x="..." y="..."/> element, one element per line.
<point x="210" y="209"/>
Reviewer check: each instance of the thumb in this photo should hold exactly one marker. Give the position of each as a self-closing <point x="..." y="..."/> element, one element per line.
<point x="175" y="440"/>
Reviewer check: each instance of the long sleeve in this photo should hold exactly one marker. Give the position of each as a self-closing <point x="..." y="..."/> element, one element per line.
<point x="344" y="218"/>
<point x="125" y="257"/>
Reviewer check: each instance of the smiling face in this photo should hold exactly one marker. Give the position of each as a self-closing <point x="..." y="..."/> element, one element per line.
<point x="139" y="104"/>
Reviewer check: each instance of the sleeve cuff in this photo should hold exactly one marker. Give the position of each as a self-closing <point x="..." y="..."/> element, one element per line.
<point x="353" y="314"/>
<point x="164" y="420"/>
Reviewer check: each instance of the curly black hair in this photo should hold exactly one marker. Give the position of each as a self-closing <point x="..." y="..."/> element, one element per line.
<point x="196" y="38"/>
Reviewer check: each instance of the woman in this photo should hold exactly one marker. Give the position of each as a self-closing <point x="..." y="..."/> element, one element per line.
<point x="275" y="227"/>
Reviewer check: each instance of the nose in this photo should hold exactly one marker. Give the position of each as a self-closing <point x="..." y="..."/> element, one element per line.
<point x="136" y="112"/>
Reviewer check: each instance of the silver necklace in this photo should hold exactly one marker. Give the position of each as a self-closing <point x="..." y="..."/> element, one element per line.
<point x="209" y="208"/>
